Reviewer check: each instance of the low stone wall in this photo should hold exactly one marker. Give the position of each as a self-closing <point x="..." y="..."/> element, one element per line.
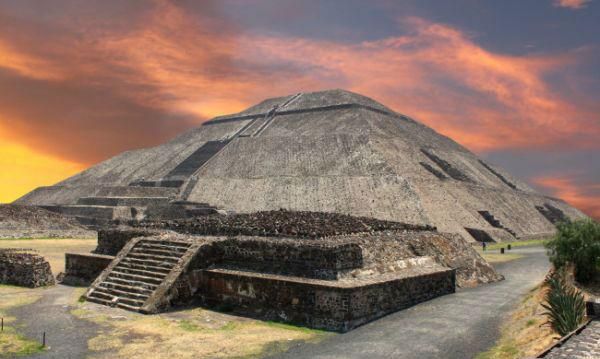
<point x="281" y="223"/>
<point x="315" y="303"/>
<point x="304" y="258"/>
<point x="111" y="241"/>
<point x="83" y="269"/>
<point x="24" y="268"/>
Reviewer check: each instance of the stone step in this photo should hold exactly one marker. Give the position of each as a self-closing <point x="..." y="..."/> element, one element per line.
<point x="128" y="285"/>
<point x="138" y="273"/>
<point x="132" y="283"/>
<point x="92" y="298"/>
<point x="197" y="159"/>
<point x="101" y="212"/>
<point x="178" y="249"/>
<point x="136" y="191"/>
<point x="148" y="262"/>
<point x="159" y="252"/>
<point x="101" y="295"/>
<point x="158" y="183"/>
<point x="147" y="270"/>
<point x="123" y="201"/>
<point x="133" y="308"/>
<point x="136" y="277"/>
<point x="122" y="294"/>
<point x="153" y="257"/>
<point x="185" y="245"/>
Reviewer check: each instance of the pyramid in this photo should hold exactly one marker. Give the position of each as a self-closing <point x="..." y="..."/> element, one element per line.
<point x="329" y="151"/>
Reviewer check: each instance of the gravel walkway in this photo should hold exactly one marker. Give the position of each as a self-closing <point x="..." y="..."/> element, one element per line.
<point x="66" y="335"/>
<point x="459" y="325"/>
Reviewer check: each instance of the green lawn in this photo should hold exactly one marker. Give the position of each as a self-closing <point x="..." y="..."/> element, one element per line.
<point x="516" y="244"/>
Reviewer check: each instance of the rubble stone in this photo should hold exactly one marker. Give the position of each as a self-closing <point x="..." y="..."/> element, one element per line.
<point x="23" y="267"/>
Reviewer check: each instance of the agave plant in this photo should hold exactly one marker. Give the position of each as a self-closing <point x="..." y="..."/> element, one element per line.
<point x="565" y="305"/>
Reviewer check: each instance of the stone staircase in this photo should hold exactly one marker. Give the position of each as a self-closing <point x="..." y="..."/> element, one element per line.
<point x="494" y="222"/>
<point x="141" y="275"/>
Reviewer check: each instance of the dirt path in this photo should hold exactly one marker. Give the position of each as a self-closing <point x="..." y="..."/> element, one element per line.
<point x="458" y="326"/>
<point x="66" y="335"/>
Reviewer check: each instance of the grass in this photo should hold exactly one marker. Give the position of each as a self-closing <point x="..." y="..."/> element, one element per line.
<point x="516" y="244"/>
<point x="52" y="249"/>
<point x="525" y="332"/>
<point x="12" y="343"/>
<point x="43" y="238"/>
<point x="500" y="258"/>
<point x="194" y="333"/>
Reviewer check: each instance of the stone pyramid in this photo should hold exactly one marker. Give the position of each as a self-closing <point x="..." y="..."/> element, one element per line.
<point x="329" y="151"/>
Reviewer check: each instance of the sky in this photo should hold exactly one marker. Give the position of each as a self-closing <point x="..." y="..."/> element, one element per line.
<point x="516" y="82"/>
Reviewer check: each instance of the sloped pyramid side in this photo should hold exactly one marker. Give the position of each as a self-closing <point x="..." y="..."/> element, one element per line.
<point x="333" y="151"/>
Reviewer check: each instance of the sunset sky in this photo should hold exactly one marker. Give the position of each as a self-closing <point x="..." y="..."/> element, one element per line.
<point x="517" y="82"/>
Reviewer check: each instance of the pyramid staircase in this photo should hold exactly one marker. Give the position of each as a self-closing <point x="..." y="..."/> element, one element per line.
<point x="494" y="222"/>
<point x="140" y="277"/>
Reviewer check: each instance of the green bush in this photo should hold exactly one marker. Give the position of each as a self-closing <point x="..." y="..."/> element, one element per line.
<point x="565" y="305"/>
<point x="577" y="243"/>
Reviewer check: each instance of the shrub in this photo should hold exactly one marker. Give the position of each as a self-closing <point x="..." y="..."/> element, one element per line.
<point x="578" y="243"/>
<point x="565" y="305"/>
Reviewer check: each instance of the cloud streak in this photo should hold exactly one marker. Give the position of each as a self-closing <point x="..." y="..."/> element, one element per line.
<point x="572" y="4"/>
<point x="585" y="196"/>
<point x="136" y="77"/>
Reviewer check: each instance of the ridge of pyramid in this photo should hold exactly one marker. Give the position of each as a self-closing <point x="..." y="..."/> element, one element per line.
<point x="309" y="100"/>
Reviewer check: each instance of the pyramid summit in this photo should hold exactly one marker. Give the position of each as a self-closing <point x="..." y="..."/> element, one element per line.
<point x="329" y="151"/>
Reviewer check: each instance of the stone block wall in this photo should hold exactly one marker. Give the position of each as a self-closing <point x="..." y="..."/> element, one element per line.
<point x="316" y="303"/>
<point x="83" y="269"/>
<point x="24" y="268"/>
<point x="304" y="258"/>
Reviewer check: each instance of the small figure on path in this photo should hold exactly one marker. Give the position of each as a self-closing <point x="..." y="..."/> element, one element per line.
<point x="483" y="244"/>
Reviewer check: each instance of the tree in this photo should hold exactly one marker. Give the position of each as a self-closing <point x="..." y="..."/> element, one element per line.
<point x="577" y="243"/>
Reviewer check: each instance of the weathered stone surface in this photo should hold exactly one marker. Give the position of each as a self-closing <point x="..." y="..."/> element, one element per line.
<point x="18" y="221"/>
<point x="83" y="269"/>
<point x="112" y="240"/>
<point x="330" y="151"/>
<point x="282" y="223"/>
<point x="334" y="282"/>
<point x="582" y="345"/>
<point x="330" y="305"/>
<point x="24" y="268"/>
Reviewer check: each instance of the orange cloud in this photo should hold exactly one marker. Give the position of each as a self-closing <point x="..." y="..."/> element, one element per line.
<point x="173" y="62"/>
<point x="25" y="64"/>
<point x="572" y="4"/>
<point x="165" y="70"/>
<point x="583" y="196"/>
<point x="436" y="74"/>
<point x="23" y="169"/>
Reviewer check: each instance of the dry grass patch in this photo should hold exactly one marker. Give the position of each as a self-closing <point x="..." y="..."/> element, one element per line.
<point x="52" y="249"/>
<point x="11" y="342"/>
<point x="518" y="243"/>
<point x="525" y="333"/>
<point x="194" y="333"/>
<point x="500" y="258"/>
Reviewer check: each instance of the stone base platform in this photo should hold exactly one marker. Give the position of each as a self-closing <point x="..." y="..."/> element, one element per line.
<point x="339" y="305"/>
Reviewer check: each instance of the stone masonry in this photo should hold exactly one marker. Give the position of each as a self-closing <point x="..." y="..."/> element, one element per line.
<point x="23" y="267"/>
<point x="321" y="270"/>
